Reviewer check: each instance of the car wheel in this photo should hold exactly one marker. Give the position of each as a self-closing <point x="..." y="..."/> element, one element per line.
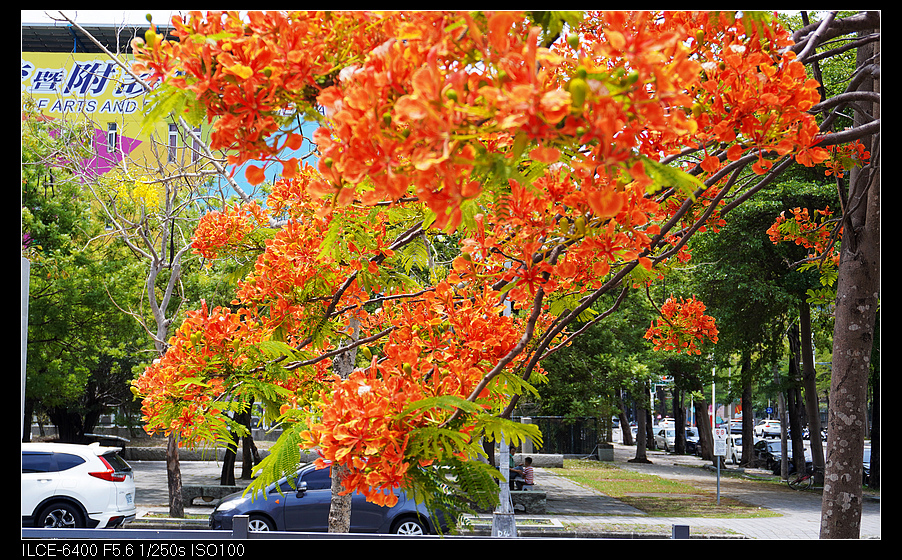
<point x="410" y="526"/>
<point x="258" y="524"/>
<point x="61" y="515"/>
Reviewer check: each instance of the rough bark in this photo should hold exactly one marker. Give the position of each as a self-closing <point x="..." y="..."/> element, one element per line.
<point x="705" y="435"/>
<point x="227" y="476"/>
<point x="812" y="406"/>
<point x="174" y="477"/>
<point x="250" y="457"/>
<point x="857" y="297"/>
<point x="794" y="399"/>
<point x="340" y="507"/>
<point x="641" y="428"/>
<point x="626" y="434"/>
<point x="679" y="415"/>
<point x="748" y="434"/>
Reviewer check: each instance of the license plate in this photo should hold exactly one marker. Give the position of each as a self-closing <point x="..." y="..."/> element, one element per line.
<point x="128" y="498"/>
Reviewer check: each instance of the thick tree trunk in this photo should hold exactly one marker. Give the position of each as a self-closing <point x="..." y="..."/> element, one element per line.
<point x="649" y="430"/>
<point x="250" y="457"/>
<point x="679" y="414"/>
<point x="340" y="508"/>
<point x="174" y="477"/>
<point x="812" y="406"/>
<point x="626" y="434"/>
<point x="69" y="428"/>
<point x="705" y="435"/>
<point x="227" y="476"/>
<point x="641" y="428"/>
<point x="794" y="399"/>
<point x="748" y="435"/>
<point x="857" y="298"/>
<point x="781" y="412"/>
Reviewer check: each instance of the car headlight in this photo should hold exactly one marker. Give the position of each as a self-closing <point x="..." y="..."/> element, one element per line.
<point x="227" y="506"/>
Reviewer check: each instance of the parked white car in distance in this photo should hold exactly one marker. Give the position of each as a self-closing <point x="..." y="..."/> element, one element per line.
<point x="768" y="428"/>
<point x="665" y="438"/>
<point x="71" y="485"/>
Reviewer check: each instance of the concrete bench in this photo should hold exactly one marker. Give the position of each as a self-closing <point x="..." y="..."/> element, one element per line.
<point x="528" y="501"/>
<point x="207" y="493"/>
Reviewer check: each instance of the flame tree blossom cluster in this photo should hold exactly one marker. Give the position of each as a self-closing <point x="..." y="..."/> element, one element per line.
<point x="568" y="168"/>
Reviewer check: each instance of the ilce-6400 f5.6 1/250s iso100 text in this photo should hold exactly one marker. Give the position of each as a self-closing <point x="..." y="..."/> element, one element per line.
<point x="129" y="550"/>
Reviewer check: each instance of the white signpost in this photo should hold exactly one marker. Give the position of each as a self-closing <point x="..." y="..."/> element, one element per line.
<point x="720" y="442"/>
<point x="720" y="450"/>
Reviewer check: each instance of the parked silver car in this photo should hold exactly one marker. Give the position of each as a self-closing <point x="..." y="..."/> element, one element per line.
<point x="665" y="438"/>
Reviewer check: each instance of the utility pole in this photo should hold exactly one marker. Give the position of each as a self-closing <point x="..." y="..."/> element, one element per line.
<point x="503" y="523"/>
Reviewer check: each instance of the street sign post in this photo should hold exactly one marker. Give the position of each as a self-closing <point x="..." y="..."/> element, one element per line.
<point x="720" y="442"/>
<point x="720" y="450"/>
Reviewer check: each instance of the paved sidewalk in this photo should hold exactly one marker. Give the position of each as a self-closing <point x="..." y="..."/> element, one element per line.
<point x="799" y="511"/>
<point x="583" y="512"/>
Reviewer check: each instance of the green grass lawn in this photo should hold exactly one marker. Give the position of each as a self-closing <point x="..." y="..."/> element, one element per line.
<point x="654" y="495"/>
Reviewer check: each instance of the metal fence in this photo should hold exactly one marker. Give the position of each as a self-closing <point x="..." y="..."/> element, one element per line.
<point x="203" y="538"/>
<point x="567" y="436"/>
<point x="94" y="543"/>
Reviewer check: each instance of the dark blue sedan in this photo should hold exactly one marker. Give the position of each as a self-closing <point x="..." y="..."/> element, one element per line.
<point x="304" y="507"/>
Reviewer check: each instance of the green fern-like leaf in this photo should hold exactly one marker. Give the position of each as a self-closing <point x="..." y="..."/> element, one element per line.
<point x="514" y="433"/>
<point x="665" y="176"/>
<point x="284" y="459"/>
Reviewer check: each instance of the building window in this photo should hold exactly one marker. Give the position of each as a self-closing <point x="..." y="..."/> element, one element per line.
<point x="173" y="141"/>
<point x="195" y="152"/>
<point x="112" y="140"/>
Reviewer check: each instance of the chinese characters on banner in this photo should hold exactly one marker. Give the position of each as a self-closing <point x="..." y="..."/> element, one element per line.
<point x="92" y="88"/>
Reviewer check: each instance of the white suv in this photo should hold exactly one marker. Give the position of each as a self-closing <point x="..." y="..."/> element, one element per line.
<point x="69" y="485"/>
<point x="768" y="428"/>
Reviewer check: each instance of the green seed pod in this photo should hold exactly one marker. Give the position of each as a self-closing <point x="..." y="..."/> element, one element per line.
<point x="573" y="41"/>
<point x="520" y="141"/>
<point x="578" y="89"/>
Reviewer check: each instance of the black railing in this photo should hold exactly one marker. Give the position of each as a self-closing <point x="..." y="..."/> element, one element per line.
<point x="202" y="537"/>
<point x="94" y="543"/>
<point x="567" y="436"/>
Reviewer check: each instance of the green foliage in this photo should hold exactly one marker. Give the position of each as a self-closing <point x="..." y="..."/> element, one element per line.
<point x="284" y="457"/>
<point x="165" y="102"/>
<point x="553" y="22"/>
<point x="455" y="487"/>
<point x="514" y="433"/>
<point x="666" y="176"/>
<point x="584" y="376"/>
<point x="79" y="343"/>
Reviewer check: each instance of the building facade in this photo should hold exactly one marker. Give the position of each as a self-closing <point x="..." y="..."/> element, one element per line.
<point x="66" y="76"/>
